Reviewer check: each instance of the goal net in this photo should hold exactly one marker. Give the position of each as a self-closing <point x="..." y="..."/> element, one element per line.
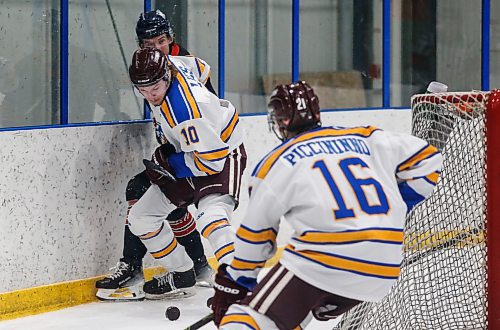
<point x="443" y="280"/>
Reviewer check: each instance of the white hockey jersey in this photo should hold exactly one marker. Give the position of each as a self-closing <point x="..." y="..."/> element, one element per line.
<point x="345" y="192"/>
<point x="202" y="128"/>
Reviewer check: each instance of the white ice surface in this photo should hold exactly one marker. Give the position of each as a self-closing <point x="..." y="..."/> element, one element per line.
<point x="128" y="316"/>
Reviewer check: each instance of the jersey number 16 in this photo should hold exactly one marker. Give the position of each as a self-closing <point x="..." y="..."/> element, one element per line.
<point x="357" y="185"/>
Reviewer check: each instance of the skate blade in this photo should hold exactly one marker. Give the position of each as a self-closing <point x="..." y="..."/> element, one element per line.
<point x="204" y="284"/>
<point x="121" y="294"/>
<point x="206" y="279"/>
<point x="176" y="294"/>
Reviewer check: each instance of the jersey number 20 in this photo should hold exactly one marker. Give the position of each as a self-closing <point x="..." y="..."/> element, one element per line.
<point x="357" y="185"/>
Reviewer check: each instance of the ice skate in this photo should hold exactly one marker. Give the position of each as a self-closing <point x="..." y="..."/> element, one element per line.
<point x="124" y="284"/>
<point x="171" y="285"/>
<point x="205" y="275"/>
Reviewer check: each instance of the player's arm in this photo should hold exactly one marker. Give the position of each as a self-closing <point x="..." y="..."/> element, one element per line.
<point x="255" y="241"/>
<point x="202" y="150"/>
<point x="418" y="168"/>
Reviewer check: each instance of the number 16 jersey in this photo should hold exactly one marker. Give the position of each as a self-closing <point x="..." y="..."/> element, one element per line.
<point x="345" y="192"/>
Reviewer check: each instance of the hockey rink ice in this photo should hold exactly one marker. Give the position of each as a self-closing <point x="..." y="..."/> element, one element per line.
<point x="145" y="314"/>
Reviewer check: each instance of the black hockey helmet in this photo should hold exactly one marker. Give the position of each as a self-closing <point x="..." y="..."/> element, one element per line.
<point x="148" y="66"/>
<point x="152" y="24"/>
<point x="293" y="108"/>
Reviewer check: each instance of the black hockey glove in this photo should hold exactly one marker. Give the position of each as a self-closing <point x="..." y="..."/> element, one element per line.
<point x="163" y="173"/>
<point x="227" y="292"/>
<point x="325" y="312"/>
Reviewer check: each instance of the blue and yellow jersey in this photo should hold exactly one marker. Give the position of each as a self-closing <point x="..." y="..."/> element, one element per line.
<point x="202" y="128"/>
<point x="345" y="192"/>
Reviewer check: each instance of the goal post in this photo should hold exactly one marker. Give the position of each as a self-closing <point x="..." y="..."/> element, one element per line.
<point x="450" y="274"/>
<point x="493" y="208"/>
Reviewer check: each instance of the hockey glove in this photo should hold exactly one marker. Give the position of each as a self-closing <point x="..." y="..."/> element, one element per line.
<point x="325" y="312"/>
<point x="160" y="158"/>
<point x="227" y="292"/>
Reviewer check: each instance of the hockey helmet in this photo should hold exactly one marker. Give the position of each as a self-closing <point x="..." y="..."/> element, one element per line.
<point x="293" y="108"/>
<point x="149" y="66"/>
<point x="152" y="24"/>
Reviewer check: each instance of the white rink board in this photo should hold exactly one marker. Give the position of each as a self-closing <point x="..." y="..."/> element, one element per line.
<point x="62" y="193"/>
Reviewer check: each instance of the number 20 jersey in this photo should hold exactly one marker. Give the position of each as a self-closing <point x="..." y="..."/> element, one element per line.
<point x="345" y="192"/>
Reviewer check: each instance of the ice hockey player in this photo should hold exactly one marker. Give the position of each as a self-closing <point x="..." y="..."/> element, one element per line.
<point x="345" y="191"/>
<point x="153" y="29"/>
<point x="202" y="142"/>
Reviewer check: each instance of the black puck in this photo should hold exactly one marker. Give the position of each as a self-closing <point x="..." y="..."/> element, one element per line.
<point x="172" y="313"/>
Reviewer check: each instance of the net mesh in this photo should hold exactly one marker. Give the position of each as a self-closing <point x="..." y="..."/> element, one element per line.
<point x="443" y="275"/>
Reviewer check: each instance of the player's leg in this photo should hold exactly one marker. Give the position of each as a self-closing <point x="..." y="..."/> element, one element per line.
<point x="181" y="221"/>
<point x="213" y="217"/>
<point x="126" y="281"/>
<point x="216" y="198"/>
<point x="147" y="220"/>
<point x="184" y="227"/>
<point x="286" y="300"/>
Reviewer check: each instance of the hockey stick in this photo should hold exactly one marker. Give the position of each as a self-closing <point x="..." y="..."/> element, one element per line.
<point x="201" y="322"/>
<point x="120" y="46"/>
<point x="150" y="165"/>
<point x="446" y="244"/>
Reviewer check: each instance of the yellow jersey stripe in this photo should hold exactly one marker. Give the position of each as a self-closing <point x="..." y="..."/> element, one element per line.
<point x="189" y="96"/>
<point x="423" y="154"/>
<point x="266" y="165"/>
<point x="433" y="177"/>
<point x="254" y="236"/>
<point x="151" y="234"/>
<point x="357" y="266"/>
<point x="390" y="236"/>
<point x="213" y="155"/>
<point x="224" y="250"/>
<point x="241" y="319"/>
<point x="201" y="167"/>
<point x="205" y="232"/>
<point x="246" y="265"/>
<point x="228" y="130"/>
<point x="168" y="114"/>
<point x="165" y="251"/>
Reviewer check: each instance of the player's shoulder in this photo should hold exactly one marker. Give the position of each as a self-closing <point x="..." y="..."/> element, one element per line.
<point x="179" y="60"/>
<point x="361" y="131"/>
<point x="271" y="159"/>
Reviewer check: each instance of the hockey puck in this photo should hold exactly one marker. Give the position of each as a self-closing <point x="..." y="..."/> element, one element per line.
<point x="172" y="313"/>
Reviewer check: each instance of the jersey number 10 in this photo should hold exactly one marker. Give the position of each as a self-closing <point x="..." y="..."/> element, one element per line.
<point x="357" y="185"/>
<point x="191" y="136"/>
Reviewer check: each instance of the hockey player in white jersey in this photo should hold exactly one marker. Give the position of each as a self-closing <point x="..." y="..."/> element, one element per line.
<point x="202" y="147"/>
<point x="153" y="29"/>
<point x="345" y="191"/>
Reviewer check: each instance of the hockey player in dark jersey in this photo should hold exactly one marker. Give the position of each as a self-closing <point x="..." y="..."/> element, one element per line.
<point x="153" y="29"/>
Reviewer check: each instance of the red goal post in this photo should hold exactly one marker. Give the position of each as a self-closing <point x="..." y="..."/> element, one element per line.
<point x="450" y="274"/>
<point x="493" y="209"/>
